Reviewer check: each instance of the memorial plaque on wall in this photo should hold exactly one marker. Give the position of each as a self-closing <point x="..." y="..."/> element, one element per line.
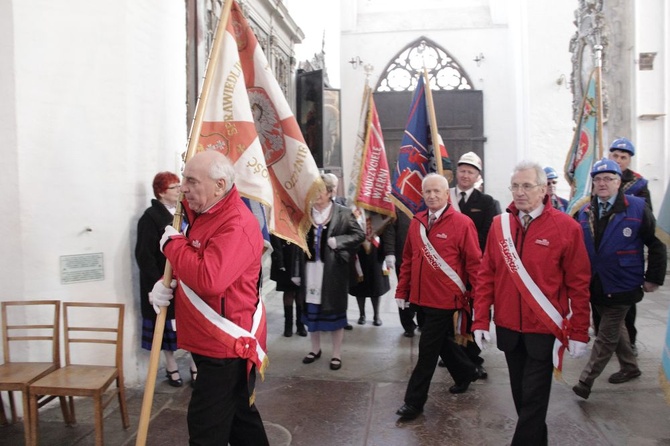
<point x="81" y="268"/>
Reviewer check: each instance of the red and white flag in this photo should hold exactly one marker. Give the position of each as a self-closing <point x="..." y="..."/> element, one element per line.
<point x="248" y="119"/>
<point x="372" y="184"/>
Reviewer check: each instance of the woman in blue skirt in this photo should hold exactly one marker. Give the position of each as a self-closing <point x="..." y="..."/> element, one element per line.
<point x="333" y="240"/>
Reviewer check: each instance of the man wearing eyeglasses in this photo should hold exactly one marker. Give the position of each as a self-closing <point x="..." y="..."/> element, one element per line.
<point x="552" y="180"/>
<point x="616" y="228"/>
<point x="535" y="270"/>
<point x="622" y="151"/>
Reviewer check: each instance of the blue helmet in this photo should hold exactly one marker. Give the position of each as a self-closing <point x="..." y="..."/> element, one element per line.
<point x="551" y="173"/>
<point x="605" y="165"/>
<point x="623" y="144"/>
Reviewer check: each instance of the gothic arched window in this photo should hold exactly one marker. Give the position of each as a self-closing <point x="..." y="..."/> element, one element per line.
<point x="444" y="72"/>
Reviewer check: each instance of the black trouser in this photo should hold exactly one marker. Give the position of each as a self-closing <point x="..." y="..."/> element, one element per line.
<point x="407" y="318"/>
<point x="437" y="340"/>
<point x="219" y="411"/>
<point x="529" y="360"/>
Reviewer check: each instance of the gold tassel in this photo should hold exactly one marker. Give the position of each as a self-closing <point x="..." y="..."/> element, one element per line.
<point x="264" y="366"/>
<point x="558" y="375"/>
<point x="458" y="337"/>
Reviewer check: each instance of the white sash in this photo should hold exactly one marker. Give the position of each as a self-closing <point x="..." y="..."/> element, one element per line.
<point x="550" y="312"/>
<point x="436" y="259"/>
<point x="528" y="282"/>
<point x="226" y="326"/>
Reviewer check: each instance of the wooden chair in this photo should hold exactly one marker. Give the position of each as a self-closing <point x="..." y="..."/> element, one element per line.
<point x="28" y="326"/>
<point x="90" y="331"/>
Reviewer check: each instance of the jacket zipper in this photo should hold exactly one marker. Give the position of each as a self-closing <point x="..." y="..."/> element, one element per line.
<point x="520" y="250"/>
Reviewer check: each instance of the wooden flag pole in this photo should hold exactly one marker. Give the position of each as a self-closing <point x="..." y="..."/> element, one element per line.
<point x="599" y="99"/>
<point x="196" y="126"/>
<point x="434" y="134"/>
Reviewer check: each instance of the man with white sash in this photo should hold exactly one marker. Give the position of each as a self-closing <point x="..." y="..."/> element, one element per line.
<point x="219" y="313"/>
<point x="534" y="272"/>
<point x="441" y="254"/>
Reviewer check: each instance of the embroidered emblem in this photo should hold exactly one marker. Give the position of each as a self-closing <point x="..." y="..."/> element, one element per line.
<point x="543" y="242"/>
<point x="627" y="232"/>
<point x="196" y="244"/>
<point x="441" y="235"/>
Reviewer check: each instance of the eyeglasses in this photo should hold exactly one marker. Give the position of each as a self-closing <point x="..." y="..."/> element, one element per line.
<point x="176" y="186"/>
<point x="553" y="182"/>
<point x="524" y="187"/>
<point x="606" y="180"/>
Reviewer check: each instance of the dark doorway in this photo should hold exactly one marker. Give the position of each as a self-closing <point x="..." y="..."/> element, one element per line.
<point x="460" y="120"/>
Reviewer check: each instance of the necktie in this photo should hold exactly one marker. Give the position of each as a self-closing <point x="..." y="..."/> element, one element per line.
<point x="526" y="221"/>
<point x="431" y="220"/>
<point x="604" y="207"/>
<point x="461" y="202"/>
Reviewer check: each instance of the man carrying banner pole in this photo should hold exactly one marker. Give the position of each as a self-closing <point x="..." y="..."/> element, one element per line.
<point x="220" y="317"/>
<point x="248" y="120"/>
<point x="415" y="160"/>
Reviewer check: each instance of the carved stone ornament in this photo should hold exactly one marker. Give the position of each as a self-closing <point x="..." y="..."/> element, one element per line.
<point x="591" y="31"/>
<point x="279" y="59"/>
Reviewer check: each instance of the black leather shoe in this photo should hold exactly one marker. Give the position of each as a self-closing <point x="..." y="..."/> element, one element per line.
<point x="408" y="334"/>
<point x="174" y="382"/>
<point x="311" y="357"/>
<point x="361" y="320"/>
<point x="480" y="372"/>
<point x="408" y="412"/>
<point x="335" y="364"/>
<point x="349" y="327"/>
<point x="459" y="388"/>
<point x="582" y="390"/>
<point x="622" y="377"/>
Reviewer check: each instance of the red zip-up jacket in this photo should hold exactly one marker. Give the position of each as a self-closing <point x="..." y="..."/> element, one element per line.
<point x="454" y="237"/>
<point x="220" y="260"/>
<point x="553" y="252"/>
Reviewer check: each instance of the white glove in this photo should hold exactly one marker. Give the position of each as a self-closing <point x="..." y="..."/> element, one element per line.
<point x="577" y="349"/>
<point x="402" y="303"/>
<point x="161" y="296"/>
<point x="296" y="280"/>
<point x="481" y="336"/>
<point x="169" y="232"/>
<point x="332" y="242"/>
<point x="390" y="261"/>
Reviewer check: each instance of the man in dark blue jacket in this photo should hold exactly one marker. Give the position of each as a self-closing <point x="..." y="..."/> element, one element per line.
<point x="616" y="228"/>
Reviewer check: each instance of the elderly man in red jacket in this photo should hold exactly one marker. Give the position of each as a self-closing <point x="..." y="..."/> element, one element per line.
<point x="440" y="256"/>
<point x="219" y="313"/>
<point x="535" y="270"/>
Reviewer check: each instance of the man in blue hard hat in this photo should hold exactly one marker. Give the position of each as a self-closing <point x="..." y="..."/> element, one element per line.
<point x="552" y="180"/>
<point x="632" y="183"/>
<point x="616" y="229"/>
